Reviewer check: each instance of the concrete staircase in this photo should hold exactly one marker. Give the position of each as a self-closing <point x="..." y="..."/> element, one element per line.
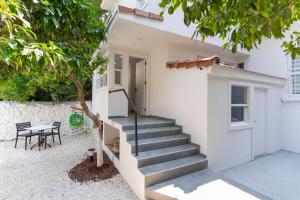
<point x="164" y="153"/>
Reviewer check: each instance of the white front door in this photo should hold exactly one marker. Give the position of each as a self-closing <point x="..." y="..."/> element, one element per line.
<point x="140" y="94"/>
<point x="259" y="129"/>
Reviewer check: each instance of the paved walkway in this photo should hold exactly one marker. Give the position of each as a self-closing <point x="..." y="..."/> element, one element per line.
<point x="43" y="175"/>
<point x="277" y="176"/>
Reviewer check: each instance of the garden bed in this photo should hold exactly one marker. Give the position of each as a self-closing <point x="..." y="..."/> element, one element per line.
<point x="88" y="171"/>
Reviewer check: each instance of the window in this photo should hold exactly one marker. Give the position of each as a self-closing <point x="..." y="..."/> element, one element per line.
<point x="101" y="81"/>
<point x="239" y="103"/>
<point x="141" y="4"/>
<point x="295" y="77"/>
<point x="117" y="70"/>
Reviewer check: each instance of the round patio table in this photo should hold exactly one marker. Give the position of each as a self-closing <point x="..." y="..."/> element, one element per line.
<point x="40" y="129"/>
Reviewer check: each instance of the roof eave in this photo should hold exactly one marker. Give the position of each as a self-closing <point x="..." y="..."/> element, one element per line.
<point x="245" y="75"/>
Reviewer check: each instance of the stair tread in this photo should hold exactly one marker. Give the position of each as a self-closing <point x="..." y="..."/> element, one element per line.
<point x="158" y="152"/>
<point x="159" y="139"/>
<point x="153" y="169"/>
<point x="140" y="120"/>
<point x="149" y="130"/>
<point x="145" y="121"/>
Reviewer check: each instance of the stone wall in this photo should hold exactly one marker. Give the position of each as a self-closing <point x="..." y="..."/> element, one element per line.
<point x="38" y="113"/>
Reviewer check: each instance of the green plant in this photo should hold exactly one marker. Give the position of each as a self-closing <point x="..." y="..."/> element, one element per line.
<point x="243" y="23"/>
<point x="55" y="40"/>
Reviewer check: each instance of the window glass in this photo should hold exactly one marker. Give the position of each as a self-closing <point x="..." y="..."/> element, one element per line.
<point x="238" y="95"/>
<point x="104" y="78"/>
<point x="118" y="61"/>
<point x="101" y="81"/>
<point x="237" y="114"/>
<point x="141" y="4"/>
<point x="239" y="103"/>
<point x="296" y="64"/>
<point x="295" y="83"/>
<point x="118" y="77"/>
<point x="295" y="76"/>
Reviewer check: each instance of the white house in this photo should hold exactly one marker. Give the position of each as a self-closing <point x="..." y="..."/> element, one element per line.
<point x="232" y="108"/>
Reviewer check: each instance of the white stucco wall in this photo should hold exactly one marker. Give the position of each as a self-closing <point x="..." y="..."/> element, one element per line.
<point x="291" y="126"/>
<point x="269" y="57"/>
<point x="37" y="113"/>
<point x="228" y="147"/>
<point x="179" y="94"/>
<point x="172" y="23"/>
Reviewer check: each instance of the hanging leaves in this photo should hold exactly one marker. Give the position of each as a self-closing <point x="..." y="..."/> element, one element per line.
<point x="242" y="23"/>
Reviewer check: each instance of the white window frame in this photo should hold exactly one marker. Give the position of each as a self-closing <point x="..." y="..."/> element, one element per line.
<point x="120" y="70"/>
<point x="290" y="74"/>
<point x="101" y="78"/>
<point x="242" y="124"/>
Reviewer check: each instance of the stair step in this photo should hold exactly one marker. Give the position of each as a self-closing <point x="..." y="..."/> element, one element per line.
<point x="166" y="154"/>
<point x="167" y="170"/>
<point x="146" y="125"/>
<point x="153" y="132"/>
<point x="160" y="142"/>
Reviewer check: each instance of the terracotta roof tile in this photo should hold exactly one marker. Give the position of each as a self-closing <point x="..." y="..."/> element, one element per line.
<point x="139" y="12"/>
<point x="207" y="62"/>
<point x="199" y="63"/>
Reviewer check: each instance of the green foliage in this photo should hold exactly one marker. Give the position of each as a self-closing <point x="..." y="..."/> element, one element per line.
<point x="244" y="23"/>
<point x="22" y="87"/>
<point x="49" y="41"/>
<point x="75" y="27"/>
<point x="19" y="88"/>
<point x="19" y="49"/>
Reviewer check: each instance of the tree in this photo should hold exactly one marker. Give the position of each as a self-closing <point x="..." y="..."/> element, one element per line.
<point x="25" y="87"/>
<point x="243" y="23"/>
<point x="55" y="40"/>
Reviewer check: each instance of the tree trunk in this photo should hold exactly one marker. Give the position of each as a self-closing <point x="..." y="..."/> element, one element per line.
<point x="93" y="117"/>
<point x="98" y="148"/>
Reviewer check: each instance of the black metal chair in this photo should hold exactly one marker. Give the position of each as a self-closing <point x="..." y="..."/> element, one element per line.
<point x="21" y="127"/>
<point x="54" y="131"/>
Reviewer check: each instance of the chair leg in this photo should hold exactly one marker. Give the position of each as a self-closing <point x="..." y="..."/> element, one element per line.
<point x="30" y="140"/>
<point x="39" y="142"/>
<point x="25" y="143"/>
<point x="45" y="142"/>
<point x="53" y="138"/>
<point x="16" y="142"/>
<point x="59" y="138"/>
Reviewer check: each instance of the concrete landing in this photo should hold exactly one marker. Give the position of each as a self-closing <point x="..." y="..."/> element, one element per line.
<point x="276" y="176"/>
<point x="206" y="185"/>
<point x="125" y="121"/>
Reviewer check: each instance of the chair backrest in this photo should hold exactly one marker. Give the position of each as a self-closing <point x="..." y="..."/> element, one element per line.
<point x="22" y="126"/>
<point x="57" y="124"/>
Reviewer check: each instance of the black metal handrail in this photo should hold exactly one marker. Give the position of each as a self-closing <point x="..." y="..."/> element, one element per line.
<point x="135" y="118"/>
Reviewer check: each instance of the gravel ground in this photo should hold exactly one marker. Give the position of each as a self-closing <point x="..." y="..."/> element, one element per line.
<point x="43" y="175"/>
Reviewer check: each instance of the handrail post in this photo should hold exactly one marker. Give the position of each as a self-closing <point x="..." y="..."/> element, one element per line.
<point x="135" y="118"/>
<point x="136" y="134"/>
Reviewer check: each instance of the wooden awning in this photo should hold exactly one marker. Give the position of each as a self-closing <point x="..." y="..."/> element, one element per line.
<point x="199" y="63"/>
